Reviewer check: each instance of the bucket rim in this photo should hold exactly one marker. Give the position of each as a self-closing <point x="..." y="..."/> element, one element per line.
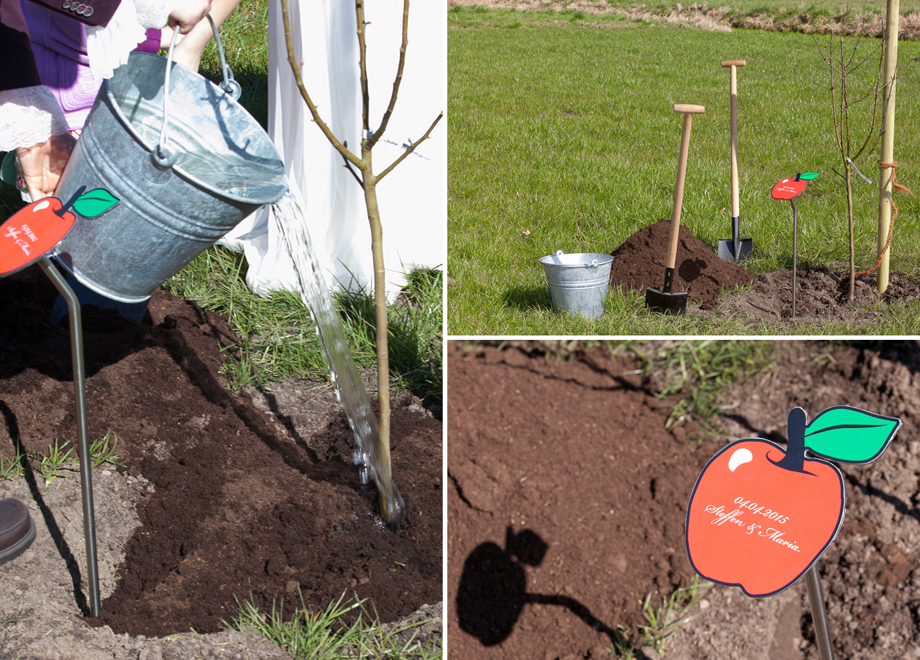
<point x="129" y="126"/>
<point x="602" y="259"/>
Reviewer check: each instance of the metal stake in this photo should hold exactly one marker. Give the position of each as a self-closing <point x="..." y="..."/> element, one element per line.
<point x="795" y="251"/>
<point x="819" y="613"/>
<point x="86" y="462"/>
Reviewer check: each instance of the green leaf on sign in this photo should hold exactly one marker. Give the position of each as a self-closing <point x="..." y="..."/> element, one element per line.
<point x="850" y="435"/>
<point x="808" y="176"/>
<point x="94" y="203"/>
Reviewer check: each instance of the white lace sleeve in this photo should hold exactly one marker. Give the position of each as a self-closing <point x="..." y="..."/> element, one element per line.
<point x="29" y="116"/>
<point x="108" y="47"/>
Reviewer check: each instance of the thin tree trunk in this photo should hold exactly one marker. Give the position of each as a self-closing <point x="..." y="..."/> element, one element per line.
<point x="388" y="505"/>
<point x="849" y="178"/>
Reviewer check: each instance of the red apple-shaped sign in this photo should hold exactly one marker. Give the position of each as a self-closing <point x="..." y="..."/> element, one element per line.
<point x="760" y="517"/>
<point x="32" y="232"/>
<point x="792" y="188"/>
<point x="35" y="230"/>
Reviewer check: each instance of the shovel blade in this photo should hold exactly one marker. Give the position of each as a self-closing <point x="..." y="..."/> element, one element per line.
<point x="727" y="249"/>
<point x="666" y="303"/>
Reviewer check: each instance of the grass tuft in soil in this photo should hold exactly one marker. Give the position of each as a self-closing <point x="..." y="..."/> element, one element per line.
<point x="327" y="634"/>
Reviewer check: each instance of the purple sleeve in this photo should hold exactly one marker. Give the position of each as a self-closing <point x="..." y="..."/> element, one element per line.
<point x="96" y="12"/>
<point x="152" y="43"/>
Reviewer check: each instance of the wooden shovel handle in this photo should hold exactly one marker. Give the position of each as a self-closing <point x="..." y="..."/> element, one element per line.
<point x="688" y="112"/>
<point x="733" y="96"/>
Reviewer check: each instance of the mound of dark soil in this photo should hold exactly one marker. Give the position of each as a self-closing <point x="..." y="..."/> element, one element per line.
<point x="245" y="504"/>
<point x="640" y="262"/>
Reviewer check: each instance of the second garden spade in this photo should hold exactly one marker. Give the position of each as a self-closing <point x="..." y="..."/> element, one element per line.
<point x="665" y="301"/>
<point x="736" y="249"/>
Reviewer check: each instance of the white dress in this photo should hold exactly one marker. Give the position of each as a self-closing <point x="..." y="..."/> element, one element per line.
<point x="412" y="198"/>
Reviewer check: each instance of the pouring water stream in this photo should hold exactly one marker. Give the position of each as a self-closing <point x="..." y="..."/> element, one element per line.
<point x="370" y="457"/>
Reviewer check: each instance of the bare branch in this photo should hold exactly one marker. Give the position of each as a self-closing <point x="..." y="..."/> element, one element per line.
<point x="875" y="88"/>
<point x="411" y="148"/>
<point x="295" y="67"/>
<point x="372" y="140"/>
<point x="350" y="169"/>
<point x="362" y="64"/>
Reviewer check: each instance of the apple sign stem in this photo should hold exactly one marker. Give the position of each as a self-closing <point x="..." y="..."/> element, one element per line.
<point x="79" y="385"/>
<point x="819" y="613"/>
<point x="70" y="202"/>
<point x="794" y="460"/>
<point x="795" y="251"/>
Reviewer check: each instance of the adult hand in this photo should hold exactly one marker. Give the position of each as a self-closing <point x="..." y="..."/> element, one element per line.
<point x="43" y="164"/>
<point x="187" y="14"/>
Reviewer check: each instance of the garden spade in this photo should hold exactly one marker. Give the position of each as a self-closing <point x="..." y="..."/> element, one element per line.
<point x="736" y="249"/>
<point x="665" y="301"/>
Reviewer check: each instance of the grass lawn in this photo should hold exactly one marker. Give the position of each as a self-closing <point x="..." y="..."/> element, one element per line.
<point x="566" y="130"/>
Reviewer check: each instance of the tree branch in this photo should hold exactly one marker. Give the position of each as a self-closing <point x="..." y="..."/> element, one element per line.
<point x="362" y="64"/>
<point x="411" y="148"/>
<point x="372" y="140"/>
<point x="295" y="67"/>
<point x="353" y="173"/>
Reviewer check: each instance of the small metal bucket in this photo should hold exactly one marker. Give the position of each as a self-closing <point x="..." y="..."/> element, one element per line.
<point x="176" y="197"/>
<point x="578" y="282"/>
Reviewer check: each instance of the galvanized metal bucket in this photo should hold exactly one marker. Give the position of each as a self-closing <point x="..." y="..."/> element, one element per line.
<point x="578" y="282"/>
<point x="179" y="194"/>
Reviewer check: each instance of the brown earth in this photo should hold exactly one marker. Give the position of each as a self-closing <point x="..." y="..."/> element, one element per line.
<point x="720" y="288"/>
<point x="241" y="498"/>
<point x="640" y="263"/>
<point x="821" y="295"/>
<point x="567" y="498"/>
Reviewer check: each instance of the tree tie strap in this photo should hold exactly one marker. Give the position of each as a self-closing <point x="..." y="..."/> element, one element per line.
<point x="895" y="186"/>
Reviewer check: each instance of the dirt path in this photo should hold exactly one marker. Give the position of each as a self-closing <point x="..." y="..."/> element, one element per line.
<point x="221" y="498"/>
<point x="721" y="18"/>
<point x="567" y="498"/>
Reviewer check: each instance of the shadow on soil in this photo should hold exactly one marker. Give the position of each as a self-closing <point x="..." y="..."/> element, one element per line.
<point x="493" y="589"/>
<point x="54" y="529"/>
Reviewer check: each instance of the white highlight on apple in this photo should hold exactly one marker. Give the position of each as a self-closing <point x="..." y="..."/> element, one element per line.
<point x="740" y="457"/>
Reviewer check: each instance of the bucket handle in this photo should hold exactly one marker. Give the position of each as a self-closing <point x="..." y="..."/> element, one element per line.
<point x="162" y="157"/>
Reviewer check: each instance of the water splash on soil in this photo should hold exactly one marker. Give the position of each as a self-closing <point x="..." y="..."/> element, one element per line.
<point x="349" y="388"/>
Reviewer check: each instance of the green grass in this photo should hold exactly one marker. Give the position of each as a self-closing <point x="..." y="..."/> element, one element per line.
<point x="325" y="635"/>
<point x="569" y="133"/>
<point x="701" y="371"/>
<point x="662" y="622"/>
<point x="244" y="36"/>
<point x="59" y="459"/>
<point x="278" y="339"/>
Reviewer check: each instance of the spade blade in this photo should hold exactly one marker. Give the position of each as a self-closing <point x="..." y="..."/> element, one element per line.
<point x="727" y="249"/>
<point x="674" y="304"/>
